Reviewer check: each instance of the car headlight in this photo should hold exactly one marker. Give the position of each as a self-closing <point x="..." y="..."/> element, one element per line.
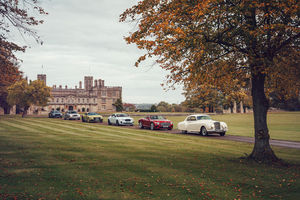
<point x="156" y="123"/>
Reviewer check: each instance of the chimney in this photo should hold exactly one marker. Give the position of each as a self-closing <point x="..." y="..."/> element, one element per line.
<point x="66" y="87"/>
<point x="96" y="84"/>
<point x="75" y="87"/>
<point x="80" y="85"/>
<point x="60" y="87"/>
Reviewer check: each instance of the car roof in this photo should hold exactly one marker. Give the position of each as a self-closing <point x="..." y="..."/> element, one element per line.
<point x="199" y="115"/>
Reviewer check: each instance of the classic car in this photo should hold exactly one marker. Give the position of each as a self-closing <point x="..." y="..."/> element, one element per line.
<point x="120" y="119"/>
<point x="202" y="124"/>
<point x="71" y="114"/>
<point x="55" y="114"/>
<point x="155" y="122"/>
<point x="92" y="117"/>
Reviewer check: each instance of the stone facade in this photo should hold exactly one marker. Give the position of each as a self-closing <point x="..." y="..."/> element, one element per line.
<point x="94" y="97"/>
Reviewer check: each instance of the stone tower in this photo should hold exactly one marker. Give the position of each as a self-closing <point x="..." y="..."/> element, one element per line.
<point x="42" y="77"/>
<point x="88" y="82"/>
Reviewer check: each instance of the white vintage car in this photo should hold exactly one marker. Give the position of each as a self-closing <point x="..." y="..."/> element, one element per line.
<point x="202" y="124"/>
<point x="120" y="119"/>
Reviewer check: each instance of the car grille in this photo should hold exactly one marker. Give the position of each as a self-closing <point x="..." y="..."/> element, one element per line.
<point x="165" y="124"/>
<point x="217" y="125"/>
<point x="127" y="120"/>
<point x="97" y="119"/>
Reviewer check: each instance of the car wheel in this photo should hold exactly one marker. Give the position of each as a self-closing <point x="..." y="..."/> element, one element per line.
<point x="184" y="132"/>
<point x="222" y="134"/>
<point x="203" y="131"/>
<point x="152" y="126"/>
<point x="141" y="125"/>
<point x="64" y="118"/>
<point x="108" y="121"/>
<point x="101" y="120"/>
<point x="117" y="123"/>
<point x="170" y="129"/>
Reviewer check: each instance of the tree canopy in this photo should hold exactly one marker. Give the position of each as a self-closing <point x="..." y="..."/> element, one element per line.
<point x="227" y="44"/>
<point x="119" y="105"/>
<point x="25" y="95"/>
<point x="16" y="16"/>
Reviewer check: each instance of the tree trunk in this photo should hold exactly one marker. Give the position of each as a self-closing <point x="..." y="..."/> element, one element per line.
<point x="262" y="151"/>
<point x="25" y="111"/>
<point x="5" y="106"/>
<point x="6" y="110"/>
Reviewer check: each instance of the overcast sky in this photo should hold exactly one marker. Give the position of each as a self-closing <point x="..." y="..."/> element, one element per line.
<point x="86" y="38"/>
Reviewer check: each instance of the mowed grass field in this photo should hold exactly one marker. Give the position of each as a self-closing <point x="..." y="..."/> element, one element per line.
<point x="43" y="158"/>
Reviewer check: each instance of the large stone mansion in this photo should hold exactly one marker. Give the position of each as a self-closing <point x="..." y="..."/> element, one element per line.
<point x="93" y="96"/>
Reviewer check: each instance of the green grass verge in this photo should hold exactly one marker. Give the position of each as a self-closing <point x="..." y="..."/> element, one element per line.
<point x="54" y="159"/>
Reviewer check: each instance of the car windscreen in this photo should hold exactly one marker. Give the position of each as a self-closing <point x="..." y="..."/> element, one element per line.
<point x="73" y="112"/>
<point x="122" y="115"/>
<point x="92" y="113"/>
<point x="156" y="117"/>
<point x="203" y="117"/>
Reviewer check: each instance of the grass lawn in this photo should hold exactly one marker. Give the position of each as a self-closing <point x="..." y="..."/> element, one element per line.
<point x="43" y="158"/>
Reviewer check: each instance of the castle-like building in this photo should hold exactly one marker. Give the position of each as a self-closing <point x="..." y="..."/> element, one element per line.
<point x="93" y="97"/>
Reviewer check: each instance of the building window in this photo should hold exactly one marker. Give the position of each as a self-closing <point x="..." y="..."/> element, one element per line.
<point x="83" y="109"/>
<point x="114" y="93"/>
<point x="103" y="100"/>
<point x="94" y="100"/>
<point x="103" y="93"/>
<point x="103" y="107"/>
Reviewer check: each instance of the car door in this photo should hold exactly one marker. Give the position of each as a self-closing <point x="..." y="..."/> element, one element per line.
<point x="113" y="119"/>
<point x="191" y="124"/>
<point x="147" y="121"/>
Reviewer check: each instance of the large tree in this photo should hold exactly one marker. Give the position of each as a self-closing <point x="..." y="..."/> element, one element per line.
<point x="16" y="16"/>
<point x="223" y="43"/>
<point x="25" y="95"/>
<point x="119" y="105"/>
<point x="9" y="74"/>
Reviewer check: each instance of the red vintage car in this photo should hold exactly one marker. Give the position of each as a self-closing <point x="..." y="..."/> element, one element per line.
<point x="155" y="122"/>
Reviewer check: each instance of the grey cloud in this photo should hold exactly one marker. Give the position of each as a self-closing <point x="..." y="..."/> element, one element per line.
<point x="85" y="38"/>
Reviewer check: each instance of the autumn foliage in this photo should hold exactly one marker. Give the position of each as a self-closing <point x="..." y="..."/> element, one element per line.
<point x="225" y="44"/>
<point x="16" y="16"/>
<point x="25" y="95"/>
